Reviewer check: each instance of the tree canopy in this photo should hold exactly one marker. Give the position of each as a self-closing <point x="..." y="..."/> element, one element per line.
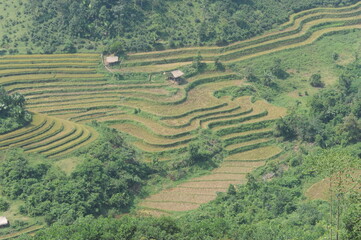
<point x="12" y="111"/>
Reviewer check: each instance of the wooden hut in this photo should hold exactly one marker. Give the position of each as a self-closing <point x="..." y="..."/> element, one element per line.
<point x="176" y="76"/>
<point x="111" y="60"/>
<point x="3" y="222"/>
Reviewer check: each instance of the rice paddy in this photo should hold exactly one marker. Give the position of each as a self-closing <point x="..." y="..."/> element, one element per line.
<point x="64" y="92"/>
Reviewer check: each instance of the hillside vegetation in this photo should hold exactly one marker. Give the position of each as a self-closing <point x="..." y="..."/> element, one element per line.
<point x="12" y="111"/>
<point x="141" y="25"/>
<point x="174" y="148"/>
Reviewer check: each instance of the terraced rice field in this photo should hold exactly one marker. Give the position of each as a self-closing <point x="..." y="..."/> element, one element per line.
<point x="65" y="91"/>
<point x="50" y="136"/>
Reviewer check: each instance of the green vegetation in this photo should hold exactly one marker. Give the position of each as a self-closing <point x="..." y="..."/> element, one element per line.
<point x="140" y="25"/>
<point x="334" y="116"/>
<point x="12" y="111"/>
<point x="258" y="210"/>
<point x="108" y="178"/>
<point x="315" y="81"/>
<point x="235" y="92"/>
<point x="202" y="151"/>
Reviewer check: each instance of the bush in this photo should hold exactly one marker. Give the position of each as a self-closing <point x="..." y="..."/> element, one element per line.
<point x="4" y="205"/>
<point x="116" y="48"/>
<point x="315" y="81"/>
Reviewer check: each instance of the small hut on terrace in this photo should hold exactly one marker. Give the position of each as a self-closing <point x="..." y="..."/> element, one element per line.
<point x="176" y="76"/>
<point x="3" y="222"/>
<point x="111" y="60"/>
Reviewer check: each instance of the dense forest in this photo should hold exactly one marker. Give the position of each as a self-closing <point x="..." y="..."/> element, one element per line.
<point x="143" y="25"/>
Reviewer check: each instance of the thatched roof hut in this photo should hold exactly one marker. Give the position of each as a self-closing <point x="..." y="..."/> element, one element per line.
<point x="4" y="222"/>
<point x="176" y="74"/>
<point x="111" y="59"/>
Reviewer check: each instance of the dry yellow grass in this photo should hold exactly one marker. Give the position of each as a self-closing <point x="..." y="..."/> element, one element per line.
<point x="154" y="68"/>
<point x="53" y="56"/>
<point x="153" y="149"/>
<point x="221" y="177"/>
<point x="141" y="133"/>
<point x="240" y="164"/>
<point x="256" y="154"/>
<point x="180" y="197"/>
<point x="243" y="144"/>
<point x="211" y="184"/>
<point x="170" y="206"/>
<point x="233" y="169"/>
<point x="232" y="135"/>
<point x="273" y="112"/>
<point x="68" y="128"/>
<point x="321" y="189"/>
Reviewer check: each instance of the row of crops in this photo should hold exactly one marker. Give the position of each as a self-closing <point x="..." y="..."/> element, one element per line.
<point x="50" y="136"/>
<point x="66" y="91"/>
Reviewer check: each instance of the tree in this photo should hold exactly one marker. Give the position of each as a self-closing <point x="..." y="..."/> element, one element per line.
<point x="116" y="48"/>
<point x="338" y="165"/>
<point x="350" y="130"/>
<point x="345" y="82"/>
<point x="268" y="79"/>
<point x="206" y="148"/>
<point x="197" y="62"/>
<point x="4" y="205"/>
<point x="219" y="65"/>
<point x="277" y="70"/>
<point x="250" y="76"/>
<point x="315" y="80"/>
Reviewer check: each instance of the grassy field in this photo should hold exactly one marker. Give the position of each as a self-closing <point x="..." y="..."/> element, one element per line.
<point x="66" y="91"/>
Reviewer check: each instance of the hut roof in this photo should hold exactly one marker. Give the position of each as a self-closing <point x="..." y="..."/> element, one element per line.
<point x="3" y="221"/>
<point x="177" y="73"/>
<point x="112" y="59"/>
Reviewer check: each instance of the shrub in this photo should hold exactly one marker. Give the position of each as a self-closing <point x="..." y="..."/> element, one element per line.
<point x="315" y="80"/>
<point x="4" y="205"/>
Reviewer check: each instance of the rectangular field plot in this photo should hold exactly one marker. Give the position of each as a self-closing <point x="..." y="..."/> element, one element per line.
<point x="256" y="154"/>
<point x="170" y="206"/>
<point x="181" y="197"/>
<point x="211" y="184"/>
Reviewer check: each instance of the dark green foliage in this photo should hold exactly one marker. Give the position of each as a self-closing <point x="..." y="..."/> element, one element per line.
<point x="235" y="92"/>
<point x="116" y="48"/>
<point x="4" y="205"/>
<point x="277" y="70"/>
<point x="259" y="210"/>
<point x="219" y="65"/>
<point x="333" y="117"/>
<point x="250" y="76"/>
<point x="69" y="47"/>
<point x="142" y="25"/>
<point x="335" y="56"/>
<point x="109" y="177"/>
<point x="352" y="220"/>
<point x="315" y="80"/>
<point x="12" y="111"/>
<point x="206" y="148"/>
<point x="268" y="79"/>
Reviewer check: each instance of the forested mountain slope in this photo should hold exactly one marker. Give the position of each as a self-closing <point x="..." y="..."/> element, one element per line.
<point x="143" y="25"/>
